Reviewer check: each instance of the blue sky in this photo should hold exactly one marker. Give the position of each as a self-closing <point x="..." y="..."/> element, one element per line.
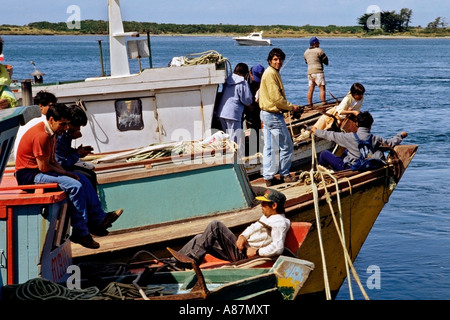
<point x="252" y="12"/>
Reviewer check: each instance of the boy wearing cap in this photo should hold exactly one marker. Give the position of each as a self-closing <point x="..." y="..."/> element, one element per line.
<point x="315" y="58"/>
<point x="263" y="238"/>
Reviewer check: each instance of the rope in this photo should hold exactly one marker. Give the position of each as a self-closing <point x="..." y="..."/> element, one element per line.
<point x="206" y="57"/>
<point x="156" y="151"/>
<point x="339" y="232"/>
<point x="328" y="199"/>
<point x="317" y="214"/>
<point x="43" y="289"/>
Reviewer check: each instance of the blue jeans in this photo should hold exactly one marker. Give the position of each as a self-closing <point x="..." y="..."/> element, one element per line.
<point x="84" y="204"/>
<point x="278" y="145"/>
<point x="234" y="129"/>
<point x="328" y="158"/>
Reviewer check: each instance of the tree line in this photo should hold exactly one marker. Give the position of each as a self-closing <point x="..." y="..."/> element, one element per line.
<point x="386" y="21"/>
<point x="391" y="21"/>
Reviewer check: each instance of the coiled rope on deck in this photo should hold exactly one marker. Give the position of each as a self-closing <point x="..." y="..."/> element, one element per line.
<point x="206" y="57"/>
<point x="43" y="289"/>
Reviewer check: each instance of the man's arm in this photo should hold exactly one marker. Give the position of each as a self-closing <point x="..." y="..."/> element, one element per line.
<point x="337" y="137"/>
<point x="274" y="91"/>
<point x="392" y="142"/>
<point x="45" y="165"/>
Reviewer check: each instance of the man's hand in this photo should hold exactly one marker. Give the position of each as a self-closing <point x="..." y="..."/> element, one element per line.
<point x="251" y="252"/>
<point x="241" y="242"/>
<point x="83" y="151"/>
<point x="4" y="104"/>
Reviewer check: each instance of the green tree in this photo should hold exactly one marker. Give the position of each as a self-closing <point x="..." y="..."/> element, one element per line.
<point x="438" y="22"/>
<point x="390" y="20"/>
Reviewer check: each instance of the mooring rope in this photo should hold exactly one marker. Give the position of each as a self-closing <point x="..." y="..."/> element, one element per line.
<point x="317" y="214"/>
<point x="341" y="231"/>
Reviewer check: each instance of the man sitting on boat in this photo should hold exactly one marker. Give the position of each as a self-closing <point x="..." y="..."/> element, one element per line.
<point x="349" y="141"/>
<point x="263" y="238"/>
<point x="36" y="163"/>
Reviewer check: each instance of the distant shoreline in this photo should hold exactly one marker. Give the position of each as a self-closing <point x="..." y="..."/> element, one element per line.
<point x="321" y="32"/>
<point x="323" y="36"/>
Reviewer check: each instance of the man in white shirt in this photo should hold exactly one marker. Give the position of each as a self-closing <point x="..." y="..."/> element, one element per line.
<point x="263" y="238"/>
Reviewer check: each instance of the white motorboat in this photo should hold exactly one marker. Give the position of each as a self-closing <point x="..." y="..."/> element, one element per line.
<point x="253" y="39"/>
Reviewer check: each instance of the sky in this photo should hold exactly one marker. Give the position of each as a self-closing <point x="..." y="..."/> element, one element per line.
<point x="242" y="12"/>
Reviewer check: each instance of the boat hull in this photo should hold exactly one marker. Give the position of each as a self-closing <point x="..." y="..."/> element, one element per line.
<point x="362" y="197"/>
<point x="252" y="42"/>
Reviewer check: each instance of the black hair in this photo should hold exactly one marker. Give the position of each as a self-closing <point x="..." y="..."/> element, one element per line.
<point x="78" y="116"/>
<point x="241" y="69"/>
<point x="365" y="119"/>
<point x="357" y="88"/>
<point x="44" y="98"/>
<point x="276" y="52"/>
<point x="1" y="45"/>
<point x="280" y="207"/>
<point x="58" y="111"/>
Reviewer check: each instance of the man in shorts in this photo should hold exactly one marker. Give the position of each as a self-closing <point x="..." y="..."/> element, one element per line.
<point x="315" y="58"/>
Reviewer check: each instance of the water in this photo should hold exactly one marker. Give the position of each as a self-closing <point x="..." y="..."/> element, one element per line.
<point x="407" y="89"/>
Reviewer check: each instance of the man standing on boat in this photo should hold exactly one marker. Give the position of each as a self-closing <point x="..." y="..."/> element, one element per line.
<point x="36" y="163"/>
<point x="278" y="145"/>
<point x="263" y="238"/>
<point x="315" y="58"/>
<point x="236" y="97"/>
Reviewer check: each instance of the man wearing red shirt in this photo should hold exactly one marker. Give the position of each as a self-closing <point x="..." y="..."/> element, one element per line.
<point x="36" y="163"/>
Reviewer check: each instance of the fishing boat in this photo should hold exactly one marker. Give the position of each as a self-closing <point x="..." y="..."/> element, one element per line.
<point x="282" y="281"/>
<point x="253" y="39"/>
<point x="174" y="211"/>
<point x="157" y="105"/>
<point x="169" y="200"/>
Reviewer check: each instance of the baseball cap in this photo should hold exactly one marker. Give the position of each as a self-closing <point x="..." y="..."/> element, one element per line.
<point x="272" y="195"/>
<point x="313" y="40"/>
<point x="257" y="72"/>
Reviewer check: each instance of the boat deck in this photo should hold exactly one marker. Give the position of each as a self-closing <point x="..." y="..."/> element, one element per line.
<point x="117" y="241"/>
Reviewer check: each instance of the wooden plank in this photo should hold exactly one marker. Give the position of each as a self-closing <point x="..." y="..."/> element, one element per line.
<point x="167" y="232"/>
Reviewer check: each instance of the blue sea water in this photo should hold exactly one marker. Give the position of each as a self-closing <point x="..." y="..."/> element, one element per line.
<point x="407" y="85"/>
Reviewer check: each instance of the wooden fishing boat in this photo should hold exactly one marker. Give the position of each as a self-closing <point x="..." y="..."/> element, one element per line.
<point x="282" y="281"/>
<point x="167" y="202"/>
<point x="254" y="278"/>
<point x="157" y="105"/>
<point x="174" y="211"/>
<point x="169" y="199"/>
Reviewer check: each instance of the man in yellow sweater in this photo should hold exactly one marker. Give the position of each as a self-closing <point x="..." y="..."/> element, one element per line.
<point x="278" y="145"/>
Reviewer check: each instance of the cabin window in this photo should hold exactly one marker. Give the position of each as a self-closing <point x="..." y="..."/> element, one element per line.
<point x="129" y="114"/>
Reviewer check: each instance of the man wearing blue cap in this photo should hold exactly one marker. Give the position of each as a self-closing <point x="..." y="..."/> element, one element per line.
<point x="315" y="58"/>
